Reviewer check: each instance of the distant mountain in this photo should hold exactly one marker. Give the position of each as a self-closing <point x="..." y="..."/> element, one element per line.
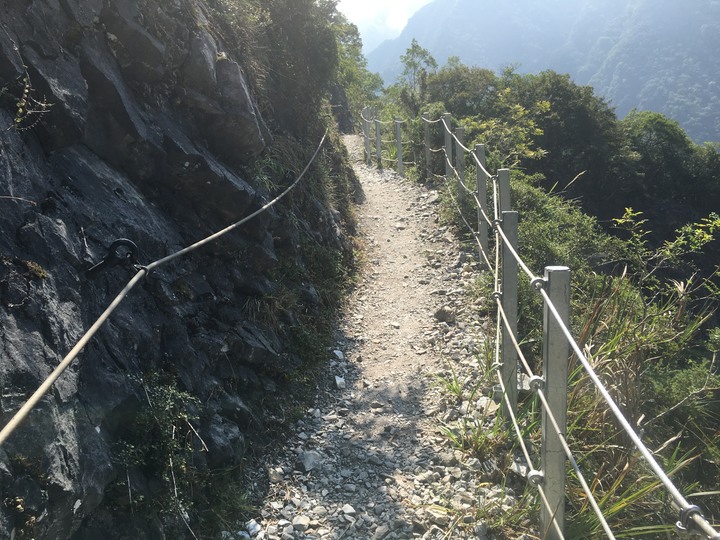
<point x="374" y="33"/>
<point x="659" y="55"/>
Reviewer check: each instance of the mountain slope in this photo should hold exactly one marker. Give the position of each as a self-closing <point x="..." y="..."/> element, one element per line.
<point x="661" y="56"/>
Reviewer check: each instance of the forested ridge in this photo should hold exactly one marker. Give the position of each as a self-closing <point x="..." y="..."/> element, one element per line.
<point x="659" y="56"/>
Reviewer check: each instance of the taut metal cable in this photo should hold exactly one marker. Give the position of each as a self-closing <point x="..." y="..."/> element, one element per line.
<point x="515" y="254"/>
<point x="575" y="466"/>
<point x="514" y="340"/>
<point x="482" y="167"/>
<point x="474" y="195"/>
<point x="485" y="216"/>
<point x="459" y="143"/>
<point x="474" y="234"/>
<point x="447" y="128"/>
<point x="22" y="413"/>
<point x="466" y="149"/>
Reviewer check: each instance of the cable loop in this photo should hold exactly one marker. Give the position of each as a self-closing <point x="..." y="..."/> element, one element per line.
<point x="538" y="284"/>
<point x="536" y="478"/>
<point x="536" y="383"/>
<point x="685" y="523"/>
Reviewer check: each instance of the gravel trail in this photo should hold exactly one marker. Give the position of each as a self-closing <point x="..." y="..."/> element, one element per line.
<point x="371" y="462"/>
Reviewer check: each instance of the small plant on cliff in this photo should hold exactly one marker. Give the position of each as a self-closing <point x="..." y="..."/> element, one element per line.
<point x="29" y="110"/>
<point x="160" y="443"/>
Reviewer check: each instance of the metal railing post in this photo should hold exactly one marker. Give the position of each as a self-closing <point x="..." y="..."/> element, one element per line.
<point x="378" y="144"/>
<point x="509" y="301"/>
<point x="460" y="161"/>
<point x="447" y="123"/>
<point x="398" y="139"/>
<point x="556" y="353"/>
<point x="481" y="188"/>
<point x="426" y="127"/>
<point x="504" y="189"/>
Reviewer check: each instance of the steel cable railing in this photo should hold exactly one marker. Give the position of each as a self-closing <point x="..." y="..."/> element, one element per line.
<point x="459" y="143"/>
<point x="32" y="401"/>
<point x="467" y="190"/>
<point x="679" y="499"/>
<point x="532" y="472"/>
<point x="474" y="234"/>
<point x="500" y="238"/>
<point x="514" y="253"/>
<point x="556" y="426"/>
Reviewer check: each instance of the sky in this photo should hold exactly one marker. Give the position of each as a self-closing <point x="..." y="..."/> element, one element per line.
<point x="379" y="20"/>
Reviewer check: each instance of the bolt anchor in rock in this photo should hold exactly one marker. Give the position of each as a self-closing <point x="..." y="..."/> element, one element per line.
<point x="121" y="251"/>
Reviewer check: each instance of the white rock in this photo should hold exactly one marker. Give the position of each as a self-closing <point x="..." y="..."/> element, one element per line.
<point x="349" y="510"/>
<point x="301" y="523"/>
<point x="253" y="527"/>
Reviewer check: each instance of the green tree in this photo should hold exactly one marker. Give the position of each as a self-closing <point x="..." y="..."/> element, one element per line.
<point x="417" y="63"/>
<point x="511" y="134"/>
<point x="466" y="91"/>
<point x="588" y="154"/>
<point x="665" y="151"/>
<point x="705" y="166"/>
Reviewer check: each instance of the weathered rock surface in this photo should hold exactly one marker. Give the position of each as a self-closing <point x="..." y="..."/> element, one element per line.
<point x="140" y="125"/>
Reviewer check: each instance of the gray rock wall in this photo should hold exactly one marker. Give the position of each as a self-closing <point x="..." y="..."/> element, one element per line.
<point x="140" y="127"/>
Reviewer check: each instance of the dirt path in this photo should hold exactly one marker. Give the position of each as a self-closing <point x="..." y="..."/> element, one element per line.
<point x="371" y="463"/>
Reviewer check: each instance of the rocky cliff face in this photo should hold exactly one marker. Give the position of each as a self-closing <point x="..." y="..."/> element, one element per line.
<point x="126" y="119"/>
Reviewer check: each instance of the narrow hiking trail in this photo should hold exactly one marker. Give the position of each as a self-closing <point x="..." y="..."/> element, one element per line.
<point x="371" y="462"/>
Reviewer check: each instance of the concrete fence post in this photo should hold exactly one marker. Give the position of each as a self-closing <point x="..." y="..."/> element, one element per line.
<point x="556" y="353"/>
<point x="509" y="303"/>
<point x="366" y="137"/>
<point x="426" y="128"/>
<point x="504" y="190"/>
<point x="378" y="144"/>
<point x="481" y="188"/>
<point x="398" y="140"/>
<point x="447" y="126"/>
<point x="460" y="162"/>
